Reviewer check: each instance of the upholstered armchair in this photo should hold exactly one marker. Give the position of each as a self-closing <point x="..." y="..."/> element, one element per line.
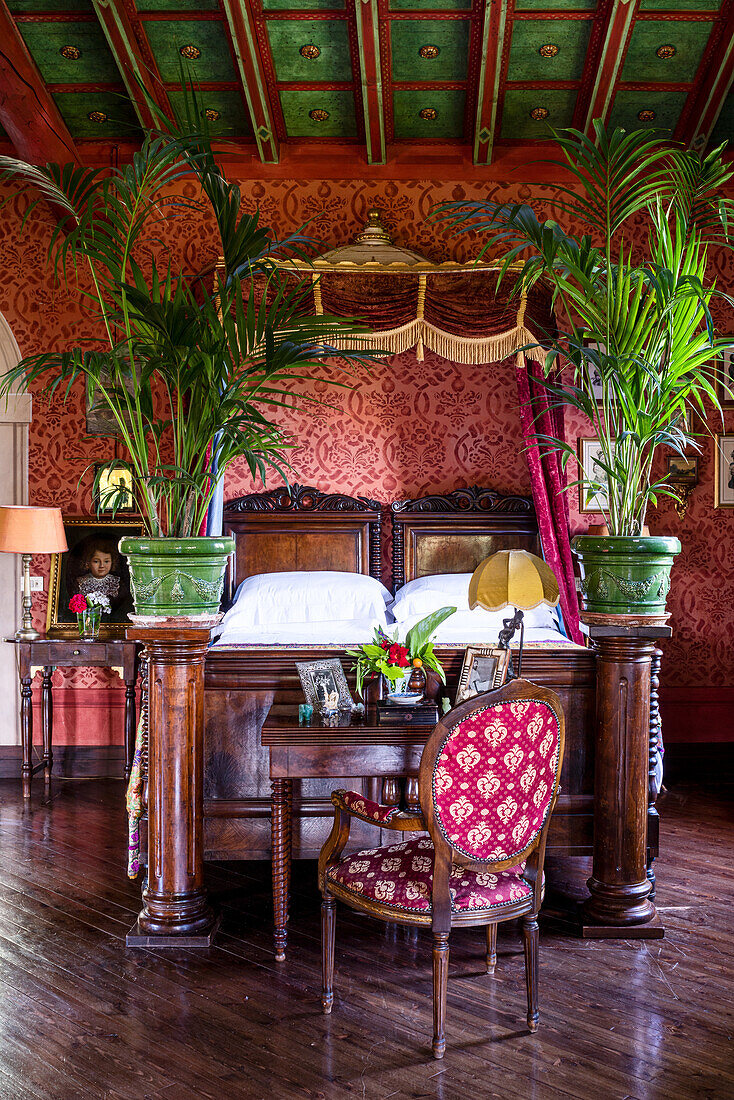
<point x="489" y="778"/>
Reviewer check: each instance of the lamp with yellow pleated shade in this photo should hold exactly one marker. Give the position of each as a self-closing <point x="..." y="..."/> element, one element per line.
<point x="517" y="579"/>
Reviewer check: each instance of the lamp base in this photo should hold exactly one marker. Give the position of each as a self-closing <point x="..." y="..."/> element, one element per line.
<point x="26" y="634"/>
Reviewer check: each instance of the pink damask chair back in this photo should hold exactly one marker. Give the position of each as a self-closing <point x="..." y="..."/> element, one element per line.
<point x="494" y="773"/>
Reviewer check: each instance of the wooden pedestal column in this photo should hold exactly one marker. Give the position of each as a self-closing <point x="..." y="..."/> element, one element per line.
<point x="620" y="905"/>
<point x="175" y="911"/>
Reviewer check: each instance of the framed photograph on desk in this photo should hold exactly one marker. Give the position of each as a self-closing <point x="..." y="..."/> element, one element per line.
<point x="484" y="669"/>
<point x="91" y="564"/>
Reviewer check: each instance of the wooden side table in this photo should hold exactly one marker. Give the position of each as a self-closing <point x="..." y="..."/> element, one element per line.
<point x="50" y="653"/>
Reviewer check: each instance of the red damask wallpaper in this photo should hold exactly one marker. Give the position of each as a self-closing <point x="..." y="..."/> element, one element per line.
<point x="404" y="428"/>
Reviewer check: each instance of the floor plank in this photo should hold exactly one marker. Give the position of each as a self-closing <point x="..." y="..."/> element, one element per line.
<point x="82" y="1017"/>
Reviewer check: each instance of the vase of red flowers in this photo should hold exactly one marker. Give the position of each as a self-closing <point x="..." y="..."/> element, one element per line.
<point x="396" y="662"/>
<point x="88" y="610"/>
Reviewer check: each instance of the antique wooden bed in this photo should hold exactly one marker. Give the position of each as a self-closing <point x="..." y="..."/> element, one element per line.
<point x="306" y="529"/>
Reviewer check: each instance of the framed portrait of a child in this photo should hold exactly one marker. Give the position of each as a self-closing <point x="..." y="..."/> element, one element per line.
<point x="92" y="564"/>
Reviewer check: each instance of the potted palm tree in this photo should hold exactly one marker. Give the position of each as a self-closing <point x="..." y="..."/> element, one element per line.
<point x="636" y="346"/>
<point x="190" y="367"/>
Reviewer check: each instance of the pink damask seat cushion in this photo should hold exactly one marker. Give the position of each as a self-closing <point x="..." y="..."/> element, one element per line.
<point x="400" y="876"/>
<point x="494" y="777"/>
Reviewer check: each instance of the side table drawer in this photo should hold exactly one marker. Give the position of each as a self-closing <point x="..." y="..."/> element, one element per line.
<point x="71" y="653"/>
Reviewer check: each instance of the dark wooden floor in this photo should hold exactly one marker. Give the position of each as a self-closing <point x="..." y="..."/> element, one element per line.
<point x="81" y="1016"/>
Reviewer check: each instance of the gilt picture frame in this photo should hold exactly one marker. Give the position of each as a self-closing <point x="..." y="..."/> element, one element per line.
<point x="85" y="536"/>
<point x="589" y="450"/>
<point x="725" y="377"/>
<point x="484" y="669"/>
<point x="724" y="470"/>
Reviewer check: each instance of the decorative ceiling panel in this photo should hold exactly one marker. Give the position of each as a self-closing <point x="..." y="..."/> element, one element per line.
<point x="665" y="51"/>
<point x="633" y="110"/>
<point x="549" y="49"/>
<point x="428" y="113"/>
<point x="306" y="52"/>
<point x="429" y="50"/>
<point x="319" y="114"/>
<point x="102" y="115"/>
<point x="303" y="5"/>
<point x="49" y="5"/>
<point x="528" y="114"/>
<point x="680" y="5"/>
<point x="225" y="112"/>
<point x="206" y="57"/>
<point x="177" y="5"/>
<point x="432" y="5"/>
<point x="556" y="5"/>
<point x="71" y="53"/>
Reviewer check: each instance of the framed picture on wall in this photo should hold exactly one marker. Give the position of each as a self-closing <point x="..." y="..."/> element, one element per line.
<point x="91" y="564"/>
<point x="724" y="471"/>
<point x="484" y="669"/>
<point x="591" y="497"/>
<point x="725" y="377"/>
<point x="99" y="418"/>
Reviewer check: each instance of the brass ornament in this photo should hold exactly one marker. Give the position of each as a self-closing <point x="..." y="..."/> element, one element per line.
<point x="429" y="52"/>
<point x="666" y="51"/>
<point x="318" y="114"/>
<point x="646" y="115"/>
<point x="310" y="51"/>
<point x="549" y="49"/>
<point x="191" y="53"/>
<point x="71" y="53"/>
<point x="538" y="114"/>
<point x="97" y="116"/>
<point x="428" y="114"/>
<point x="211" y="114"/>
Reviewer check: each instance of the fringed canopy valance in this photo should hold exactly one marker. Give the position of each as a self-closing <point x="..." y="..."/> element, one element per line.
<point x="454" y="309"/>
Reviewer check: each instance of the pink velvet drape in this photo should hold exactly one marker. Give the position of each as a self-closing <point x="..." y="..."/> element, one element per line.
<point x="548" y="483"/>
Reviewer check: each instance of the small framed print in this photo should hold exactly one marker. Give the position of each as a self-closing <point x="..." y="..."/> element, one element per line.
<point x="484" y="669"/>
<point x="591" y="497"/>
<point x="597" y="385"/>
<point x="324" y="684"/>
<point x="114" y="484"/>
<point x="725" y="377"/>
<point x="683" y="470"/>
<point x="724" y="467"/>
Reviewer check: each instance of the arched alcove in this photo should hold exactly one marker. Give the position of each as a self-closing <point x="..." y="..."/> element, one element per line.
<point x="15" y="417"/>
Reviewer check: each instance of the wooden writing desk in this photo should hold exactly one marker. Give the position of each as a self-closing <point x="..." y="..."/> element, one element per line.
<point x="354" y="747"/>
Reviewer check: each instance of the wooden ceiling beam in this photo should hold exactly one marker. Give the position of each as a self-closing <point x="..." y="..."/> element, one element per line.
<point x="488" y="95"/>
<point x="370" y="71"/>
<point x="125" y="37"/>
<point x="241" y="22"/>
<point x="28" y="111"/>
<point x="608" y="67"/>
<point x="709" y="99"/>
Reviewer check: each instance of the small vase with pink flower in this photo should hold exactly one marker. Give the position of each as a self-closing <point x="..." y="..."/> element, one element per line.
<point x="88" y="610"/>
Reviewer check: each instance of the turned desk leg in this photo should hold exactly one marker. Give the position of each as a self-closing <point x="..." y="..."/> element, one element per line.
<point x="130" y="725"/>
<point x="281" y="833"/>
<point x="176" y="911"/>
<point x="47" y="720"/>
<point x="619" y="887"/>
<point x="26" y="732"/>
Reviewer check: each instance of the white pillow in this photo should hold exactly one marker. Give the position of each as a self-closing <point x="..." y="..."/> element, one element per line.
<point x="270" y="599"/>
<point x="483" y="626"/>
<point x="426" y="594"/>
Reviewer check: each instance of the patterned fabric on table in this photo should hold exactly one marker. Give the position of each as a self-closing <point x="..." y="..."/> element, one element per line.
<point x="400" y="875"/>
<point x="494" y="776"/>
<point x="366" y="808"/>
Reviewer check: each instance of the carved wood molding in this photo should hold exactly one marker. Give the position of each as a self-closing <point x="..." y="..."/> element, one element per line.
<point x="472" y="499"/>
<point x="300" y="498"/>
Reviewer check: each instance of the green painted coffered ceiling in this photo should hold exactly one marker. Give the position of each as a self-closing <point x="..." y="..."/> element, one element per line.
<point x="376" y="74"/>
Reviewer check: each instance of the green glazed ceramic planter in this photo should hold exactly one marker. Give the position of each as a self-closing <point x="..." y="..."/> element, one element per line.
<point x="177" y="576"/>
<point x="625" y="576"/>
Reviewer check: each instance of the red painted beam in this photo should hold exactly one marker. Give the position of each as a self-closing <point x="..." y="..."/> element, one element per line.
<point x="28" y="112"/>
<point x="134" y="60"/>
<point x="607" y="69"/>
<point x="370" y="67"/>
<point x="718" y="78"/>
<point x="241" y="22"/>
<point x="495" y="29"/>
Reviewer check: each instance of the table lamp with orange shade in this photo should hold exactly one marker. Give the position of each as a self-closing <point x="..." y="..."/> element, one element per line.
<point x="517" y="579"/>
<point x="29" y="531"/>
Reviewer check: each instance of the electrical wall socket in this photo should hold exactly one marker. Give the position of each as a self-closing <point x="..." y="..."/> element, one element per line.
<point x="36" y="584"/>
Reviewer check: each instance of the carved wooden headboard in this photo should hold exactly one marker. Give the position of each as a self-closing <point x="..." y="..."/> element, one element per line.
<point x="300" y="528"/>
<point x="452" y="533"/>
